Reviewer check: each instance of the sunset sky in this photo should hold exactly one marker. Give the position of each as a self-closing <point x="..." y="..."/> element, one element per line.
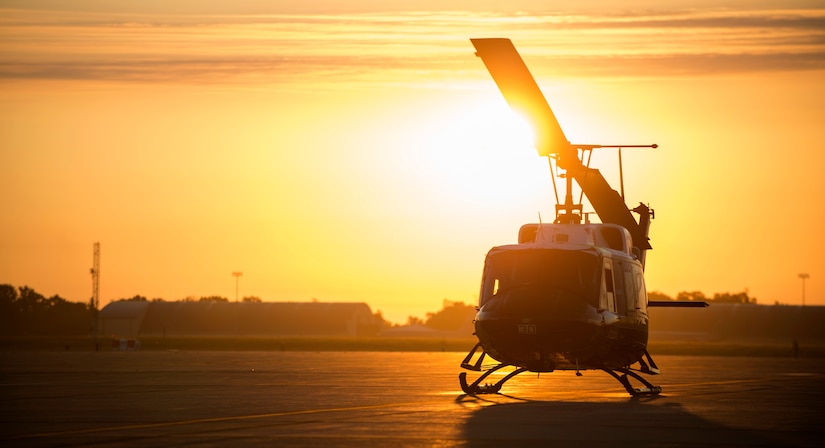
<point x="359" y="151"/>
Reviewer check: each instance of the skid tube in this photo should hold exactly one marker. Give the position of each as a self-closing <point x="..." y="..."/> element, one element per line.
<point x="476" y="387"/>
<point x="648" y="390"/>
<point x="621" y="375"/>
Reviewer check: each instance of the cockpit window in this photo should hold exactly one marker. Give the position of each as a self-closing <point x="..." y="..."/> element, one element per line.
<point x="545" y="269"/>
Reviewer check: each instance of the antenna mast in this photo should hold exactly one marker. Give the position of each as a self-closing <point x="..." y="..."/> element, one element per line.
<point x="95" y="300"/>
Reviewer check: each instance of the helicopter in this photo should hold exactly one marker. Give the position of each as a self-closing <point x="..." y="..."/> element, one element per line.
<point x="569" y="295"/>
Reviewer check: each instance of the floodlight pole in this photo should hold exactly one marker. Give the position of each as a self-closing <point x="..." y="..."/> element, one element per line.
<point x="237" y="276"/>
<point x="803" y="277"/>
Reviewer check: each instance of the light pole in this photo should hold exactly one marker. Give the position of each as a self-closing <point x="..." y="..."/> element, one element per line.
<point x="237" y="276"/>
<point x="803" y="277"/>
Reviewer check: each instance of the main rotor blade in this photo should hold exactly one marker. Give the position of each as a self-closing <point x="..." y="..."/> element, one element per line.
<point x="522" y="93"/>
<point x="524" y="96"/>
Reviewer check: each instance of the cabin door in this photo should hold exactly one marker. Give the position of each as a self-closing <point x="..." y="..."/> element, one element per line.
<point x="608" y="293"/>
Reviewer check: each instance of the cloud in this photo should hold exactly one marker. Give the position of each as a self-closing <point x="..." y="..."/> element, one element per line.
<point x="686" y="64"/>
<point x="392" y="48"/>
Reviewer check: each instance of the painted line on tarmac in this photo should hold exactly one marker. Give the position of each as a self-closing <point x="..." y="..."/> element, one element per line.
<point x="215" y="420"/>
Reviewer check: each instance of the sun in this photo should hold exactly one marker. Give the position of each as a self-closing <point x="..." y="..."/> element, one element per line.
<point x="485" y="154"/>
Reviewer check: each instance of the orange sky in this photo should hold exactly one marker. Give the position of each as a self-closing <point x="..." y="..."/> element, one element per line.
<point x="362" y="153"/>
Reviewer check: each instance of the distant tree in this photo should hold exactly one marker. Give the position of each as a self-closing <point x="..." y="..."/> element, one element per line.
<point x="189" y="299"/>
<point x="8" y="294"/>
<point x="724" y="297"/>
<point x="741" y="297"/>
<point x="29" y="300"/>
<point x="66" y="318"/>
<point x="412" y="320"/>
<point x="9" y="309"/>
<point x="697" y="296"/>
<point x="26" y="312"/>
<point x="213" y="299"/>
<point x="8" y="297"/>
<point x="658" y="296"/>
<point x="136" y="298"/>
<point x="453" y="316"/>
<point x="382" y="323"/>
<point x="252" y="299"/>
<point x="158" y="299"/>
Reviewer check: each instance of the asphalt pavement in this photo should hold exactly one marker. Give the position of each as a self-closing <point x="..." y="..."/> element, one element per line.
<point x="177" y="398"/>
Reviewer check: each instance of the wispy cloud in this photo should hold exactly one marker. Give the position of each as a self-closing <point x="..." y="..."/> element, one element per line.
<point x="392" y="48"/>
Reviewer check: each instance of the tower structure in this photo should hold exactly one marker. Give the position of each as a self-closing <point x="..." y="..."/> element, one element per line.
<point x="94" y="302"/>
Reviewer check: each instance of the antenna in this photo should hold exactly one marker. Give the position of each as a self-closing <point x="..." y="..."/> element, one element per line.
<point x="621" y="175"/>
<point x="94" y="302"/>
<point x="621" y="170"/>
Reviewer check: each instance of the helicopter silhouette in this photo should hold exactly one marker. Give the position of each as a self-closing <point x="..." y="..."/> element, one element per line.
<point x="569" y="295"/>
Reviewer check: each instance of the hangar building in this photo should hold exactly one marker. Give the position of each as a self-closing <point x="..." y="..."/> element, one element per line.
<point x="190" y="319"/>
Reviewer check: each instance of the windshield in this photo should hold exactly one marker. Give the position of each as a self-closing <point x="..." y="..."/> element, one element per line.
<point x="542" y="270"/>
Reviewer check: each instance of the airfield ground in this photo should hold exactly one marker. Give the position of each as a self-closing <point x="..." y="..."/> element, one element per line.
<point x="344" y="398"/>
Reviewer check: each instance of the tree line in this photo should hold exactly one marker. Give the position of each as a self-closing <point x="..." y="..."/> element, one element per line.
<point x="452" y="316"/>
<point x="699" y="296"/>
<point x="25" y="312"/>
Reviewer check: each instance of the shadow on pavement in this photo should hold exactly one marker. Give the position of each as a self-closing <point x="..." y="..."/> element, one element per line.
<point x="633" y="423"/>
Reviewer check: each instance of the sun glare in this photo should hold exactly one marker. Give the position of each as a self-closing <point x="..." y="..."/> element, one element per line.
<point x="485" y="155"/>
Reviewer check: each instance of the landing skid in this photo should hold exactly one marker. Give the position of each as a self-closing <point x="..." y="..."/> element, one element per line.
<point x="648" y="390"/>
<point x="477" y="388"/>
<point x="621" y="375"/>
<point x="648" y="367"/>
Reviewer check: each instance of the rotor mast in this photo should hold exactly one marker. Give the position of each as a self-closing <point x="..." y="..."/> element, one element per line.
<point x="569" y="212"/>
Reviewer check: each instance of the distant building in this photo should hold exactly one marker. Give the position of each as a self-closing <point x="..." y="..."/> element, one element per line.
<point x="236" y="319"/>
<point x="728" y="321"/>
<point x="122" y="318"/>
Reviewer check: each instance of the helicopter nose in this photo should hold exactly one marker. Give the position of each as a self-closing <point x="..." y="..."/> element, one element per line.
<point x="532" y="341"/>
<point x="539" y="303"/>
<point x="523" y="324"/>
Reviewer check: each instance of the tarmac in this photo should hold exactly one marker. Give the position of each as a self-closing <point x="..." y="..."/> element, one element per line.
<point x="206" y="398"/>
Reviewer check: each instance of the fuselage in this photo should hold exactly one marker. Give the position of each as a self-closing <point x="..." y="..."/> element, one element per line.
<point x="567" y="296"/>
